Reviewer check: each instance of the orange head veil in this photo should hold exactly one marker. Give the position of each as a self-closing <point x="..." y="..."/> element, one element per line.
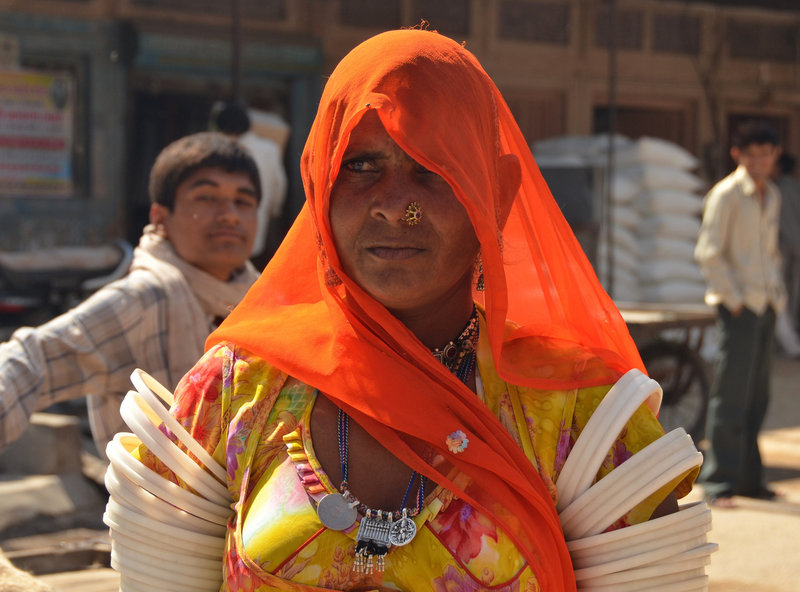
<point x="549" y="323"/>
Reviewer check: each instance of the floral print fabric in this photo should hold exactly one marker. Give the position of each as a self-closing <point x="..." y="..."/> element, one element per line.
<point x="254" y="420"/>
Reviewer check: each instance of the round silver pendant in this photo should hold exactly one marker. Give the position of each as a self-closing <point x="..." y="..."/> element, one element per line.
<point x="335" y="512"/>
<point x="402" y="531"/>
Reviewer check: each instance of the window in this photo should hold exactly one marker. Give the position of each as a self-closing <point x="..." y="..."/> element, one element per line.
<point x="760" y="41"/>
<point x="538" y="22"/>
<point x="675" y="124"/>
<point x="450" y="17"/>
<point x="252" y="9"/>
<point x="676" y="33"/>
<point x="539" y="116"/>
<point x="368" y="13"/>
<point x="628" y="28"/>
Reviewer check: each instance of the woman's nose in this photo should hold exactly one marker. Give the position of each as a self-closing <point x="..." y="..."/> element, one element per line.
<point x="390" y="197"/>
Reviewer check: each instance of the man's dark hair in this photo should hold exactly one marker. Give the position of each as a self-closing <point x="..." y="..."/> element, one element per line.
<point x="754" y="131"/>
<point x="230" y="117"/>
<point x="786" y="164"/>
<point x="198" y="151"/>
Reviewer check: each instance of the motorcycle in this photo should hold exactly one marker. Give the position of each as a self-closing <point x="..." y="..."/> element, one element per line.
<point x="36" y="286"/>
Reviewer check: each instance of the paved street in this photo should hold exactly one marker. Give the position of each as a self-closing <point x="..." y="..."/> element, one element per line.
<point x="759" y="542"/>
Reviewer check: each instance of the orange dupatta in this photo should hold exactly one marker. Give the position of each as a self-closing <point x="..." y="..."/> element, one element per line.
<point x="550" y="324"/>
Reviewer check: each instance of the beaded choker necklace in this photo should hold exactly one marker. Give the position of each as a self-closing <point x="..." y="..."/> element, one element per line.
<point x="379" y="530"/>
<point x="456" y="351"/>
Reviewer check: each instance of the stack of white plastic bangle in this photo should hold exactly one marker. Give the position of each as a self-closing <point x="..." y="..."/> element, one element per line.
<point x="666" y="554"/>
<point x="164" y="538"/>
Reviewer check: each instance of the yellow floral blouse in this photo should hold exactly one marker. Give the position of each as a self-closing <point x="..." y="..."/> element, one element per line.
<point x="254" y="420"/>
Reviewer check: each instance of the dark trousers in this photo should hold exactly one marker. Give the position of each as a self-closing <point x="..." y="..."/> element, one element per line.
<point x="738" y="403"/>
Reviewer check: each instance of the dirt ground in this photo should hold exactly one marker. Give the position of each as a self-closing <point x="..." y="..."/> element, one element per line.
<point x="758" y="541"/>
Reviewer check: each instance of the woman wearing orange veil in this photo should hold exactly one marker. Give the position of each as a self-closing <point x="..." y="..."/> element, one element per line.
<point x="395" y="397"/>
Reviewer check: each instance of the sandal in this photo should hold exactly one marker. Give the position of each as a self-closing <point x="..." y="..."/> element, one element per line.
<point x="722" y="500"/>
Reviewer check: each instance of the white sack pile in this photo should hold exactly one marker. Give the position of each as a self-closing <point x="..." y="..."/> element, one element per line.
<point x="656" y="210"/>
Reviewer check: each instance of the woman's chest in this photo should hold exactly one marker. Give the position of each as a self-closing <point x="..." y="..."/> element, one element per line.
<point x="283" y="535"/>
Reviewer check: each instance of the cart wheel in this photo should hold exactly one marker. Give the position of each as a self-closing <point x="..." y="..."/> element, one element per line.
<point x="682" y="375"/>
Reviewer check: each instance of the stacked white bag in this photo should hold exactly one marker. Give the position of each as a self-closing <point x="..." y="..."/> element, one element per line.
<point x="664" y="554"/>
<point x="670" y="208"/>
<point x="164" y="538"/>
<point x="656" y="209"/>
<point x="591" y="152"/>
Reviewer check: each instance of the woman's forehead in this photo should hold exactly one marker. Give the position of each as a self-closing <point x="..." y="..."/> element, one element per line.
<point x="369" y="130"/>
<point x="370" y="138"/>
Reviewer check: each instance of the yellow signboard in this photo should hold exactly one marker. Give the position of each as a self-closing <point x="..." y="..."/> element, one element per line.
<point x="36" y="133"/>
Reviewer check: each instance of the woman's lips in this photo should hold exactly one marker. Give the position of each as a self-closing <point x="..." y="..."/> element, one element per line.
<point x="394" y="253"/>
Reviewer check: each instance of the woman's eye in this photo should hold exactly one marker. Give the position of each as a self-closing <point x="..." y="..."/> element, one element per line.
<point x="358" y="166"/>
<point x="424" y="171"/>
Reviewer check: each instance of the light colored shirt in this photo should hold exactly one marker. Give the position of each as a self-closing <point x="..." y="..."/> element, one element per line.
<point x="91" y="351"/>
<point x="157" y="317"/>
<point x="269" y="161"/>
<point x="737" y="249"/>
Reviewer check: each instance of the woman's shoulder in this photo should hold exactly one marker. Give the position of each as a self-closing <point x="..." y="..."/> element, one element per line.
<point x="240" y="363"/>
<point x="244" y="376"/>
<point x="228" y="374"/>
<point x="575" y="406"/>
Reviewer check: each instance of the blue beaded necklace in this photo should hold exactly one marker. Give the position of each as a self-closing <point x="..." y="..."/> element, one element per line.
<point x="379" y="529"/>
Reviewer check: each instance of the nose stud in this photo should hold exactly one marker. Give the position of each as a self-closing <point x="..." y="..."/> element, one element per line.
<point x="413" y="215"/>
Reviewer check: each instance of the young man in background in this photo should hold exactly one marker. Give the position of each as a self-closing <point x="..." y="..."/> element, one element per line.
<point x="737" y="251"/>
<point x="189" y="270"/>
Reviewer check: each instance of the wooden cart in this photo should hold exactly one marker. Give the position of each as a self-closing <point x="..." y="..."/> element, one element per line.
<point x="669" y="338"/>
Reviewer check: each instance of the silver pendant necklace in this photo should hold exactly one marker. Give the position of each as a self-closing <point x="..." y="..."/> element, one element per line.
<point x="336" y="513"/>
<point x="379" y="530"/>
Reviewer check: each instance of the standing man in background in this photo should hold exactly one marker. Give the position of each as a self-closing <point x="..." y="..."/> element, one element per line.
<point x="737" y="251"/>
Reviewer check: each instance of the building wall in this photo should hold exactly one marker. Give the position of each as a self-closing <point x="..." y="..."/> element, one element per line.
<point x="92" y="214"/>
<point x="684" y="71"/>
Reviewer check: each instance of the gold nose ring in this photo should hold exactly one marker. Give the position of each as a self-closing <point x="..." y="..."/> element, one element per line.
<point x="413" y="215"/>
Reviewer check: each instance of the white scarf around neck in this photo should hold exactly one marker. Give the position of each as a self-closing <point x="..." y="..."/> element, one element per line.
<point x="194" y="298"/>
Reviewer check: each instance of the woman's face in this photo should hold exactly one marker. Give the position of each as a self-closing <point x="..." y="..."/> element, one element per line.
<point x="409" y="269"/>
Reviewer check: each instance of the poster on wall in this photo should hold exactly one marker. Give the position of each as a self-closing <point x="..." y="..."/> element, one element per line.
<point x="36" y="133"/>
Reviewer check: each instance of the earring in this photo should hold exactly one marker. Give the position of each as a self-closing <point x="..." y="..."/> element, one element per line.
<point x="332" y="278"/>
<point x="413" y="215"/>
<point x="480" y="286"/>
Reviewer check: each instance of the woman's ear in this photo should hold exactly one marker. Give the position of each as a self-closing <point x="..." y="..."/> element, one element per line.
<point x="509" y="173"/>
